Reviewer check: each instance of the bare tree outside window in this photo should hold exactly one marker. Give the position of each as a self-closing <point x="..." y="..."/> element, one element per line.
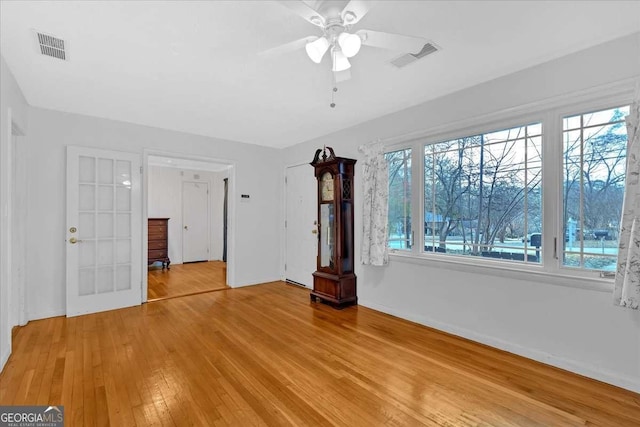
<point x="483" y="195"/>
<point x="594" y="163"/>
<point x="399" y="217"/>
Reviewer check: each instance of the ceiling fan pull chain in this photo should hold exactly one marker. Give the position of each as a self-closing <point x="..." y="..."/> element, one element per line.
<point x="333" y="91"/>
<point x="334" y="84"/>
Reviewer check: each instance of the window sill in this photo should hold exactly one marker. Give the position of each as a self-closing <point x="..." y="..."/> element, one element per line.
<point x="531" y="273"/>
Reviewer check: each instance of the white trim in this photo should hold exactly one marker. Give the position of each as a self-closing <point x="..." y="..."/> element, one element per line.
<point x="571" y="365"/>
<point x="19" y="286"/>
<point x="144" y="285"/>
<point x="47" y="314"/>
<point x="178" y="155"/>
<point x="187" y="164"/>
<point x="5" y="241"/>
<point x="4" y="358"/>
<point x="493" y="267"/>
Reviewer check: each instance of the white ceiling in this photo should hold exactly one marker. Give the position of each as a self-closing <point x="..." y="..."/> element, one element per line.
<point x="194" y="66"/>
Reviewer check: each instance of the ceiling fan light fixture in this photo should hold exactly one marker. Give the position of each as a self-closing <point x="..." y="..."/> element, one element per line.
<point x="316" y="20"/>
<point x="349" y="17"/>
<point x="316" y="49"/>
<point x="340" y="61"/>
<point x="349" y="44"/>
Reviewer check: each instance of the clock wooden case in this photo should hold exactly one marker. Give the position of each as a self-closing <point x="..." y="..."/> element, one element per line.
<point x="334" y="281"/>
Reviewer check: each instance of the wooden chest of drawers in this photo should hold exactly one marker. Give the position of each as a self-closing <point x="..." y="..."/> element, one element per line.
<point x="158" y="248"/>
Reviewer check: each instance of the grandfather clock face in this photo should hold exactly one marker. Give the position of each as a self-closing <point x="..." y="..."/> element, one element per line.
<point x="326" y="187"/>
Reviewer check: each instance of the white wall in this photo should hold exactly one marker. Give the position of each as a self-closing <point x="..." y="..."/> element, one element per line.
<point x="13" y="108"/>
<point x="257" y="173"/>
<point x="573" y="328"/>
<point x="165" y="201"/>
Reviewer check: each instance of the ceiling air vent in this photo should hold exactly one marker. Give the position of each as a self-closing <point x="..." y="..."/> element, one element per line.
<point x="408" y="58"/>
<point x="51" y="46"/>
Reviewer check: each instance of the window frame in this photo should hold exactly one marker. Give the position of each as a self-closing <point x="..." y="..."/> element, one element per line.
<point x="550" y="113"/>
<point x="561" y="246"/>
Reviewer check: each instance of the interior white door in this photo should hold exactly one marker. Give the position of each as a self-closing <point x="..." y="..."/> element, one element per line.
<point x="195" y="221"/>
<point x="104" y="230"/>
<point x="301" y="216"/>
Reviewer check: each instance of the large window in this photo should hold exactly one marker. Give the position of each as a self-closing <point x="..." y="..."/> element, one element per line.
<point x="594" y="160"/>
<point x="482" y="195"/>
<point x="483" y="198"/>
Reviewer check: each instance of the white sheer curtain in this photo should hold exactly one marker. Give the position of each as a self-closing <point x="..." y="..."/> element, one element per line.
<point x="376" y="201"/>
<point x="627" y="285"/>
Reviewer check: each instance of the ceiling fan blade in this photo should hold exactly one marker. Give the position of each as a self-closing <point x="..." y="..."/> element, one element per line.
<point x="342" y="76"/>
<point x="354" y="11"/>
<point x="288" y="47"/>
<point x="407" y="44"/>
<point x="307" y="13"/>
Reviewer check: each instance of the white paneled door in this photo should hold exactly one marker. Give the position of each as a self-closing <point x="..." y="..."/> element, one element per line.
<point x="301" y="216"/>
<point x="103" y="231"/>
<point x="195" y="221"/>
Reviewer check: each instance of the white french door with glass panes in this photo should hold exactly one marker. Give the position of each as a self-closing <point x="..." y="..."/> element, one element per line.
<point x="103" y="231"/>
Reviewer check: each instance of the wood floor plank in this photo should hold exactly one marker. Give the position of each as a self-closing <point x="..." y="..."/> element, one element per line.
<point x="264" y="355"/>
<point x="186" y="279"/>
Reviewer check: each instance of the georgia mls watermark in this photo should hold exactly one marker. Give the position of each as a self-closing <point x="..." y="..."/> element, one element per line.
<point x="31" y="416"/>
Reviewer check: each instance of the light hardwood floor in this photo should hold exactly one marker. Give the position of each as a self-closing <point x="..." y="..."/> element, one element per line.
<point x="186" y="279"/>
<point x="264" y="355"/>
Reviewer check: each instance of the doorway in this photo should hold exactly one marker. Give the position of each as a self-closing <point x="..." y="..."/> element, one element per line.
<point x="191" y="194"/>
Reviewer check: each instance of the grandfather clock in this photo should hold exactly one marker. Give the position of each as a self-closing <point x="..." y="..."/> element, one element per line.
<point x="334" y="281"/>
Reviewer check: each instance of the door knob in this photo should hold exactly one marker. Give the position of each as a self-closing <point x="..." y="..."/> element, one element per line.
<point x="73" y="241"/>
<point x="186" y="228"/>
<point x="314" y="231"/>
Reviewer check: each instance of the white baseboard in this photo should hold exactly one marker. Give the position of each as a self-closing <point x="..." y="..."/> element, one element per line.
<point x="47" y="314"/>
<point x="257" y="282"/>
<point x="580" y="368"/>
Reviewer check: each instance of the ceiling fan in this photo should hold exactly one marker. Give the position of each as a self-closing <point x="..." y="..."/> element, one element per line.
<point x="336" y="23"/>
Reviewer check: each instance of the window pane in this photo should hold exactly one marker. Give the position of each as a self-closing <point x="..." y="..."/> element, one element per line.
<point x="87" y="169"/>
<point x="105" y="171"/>
<point x="483" y="195"/>
<point x="594" y="162"/>
<point x="399" y="216"/>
